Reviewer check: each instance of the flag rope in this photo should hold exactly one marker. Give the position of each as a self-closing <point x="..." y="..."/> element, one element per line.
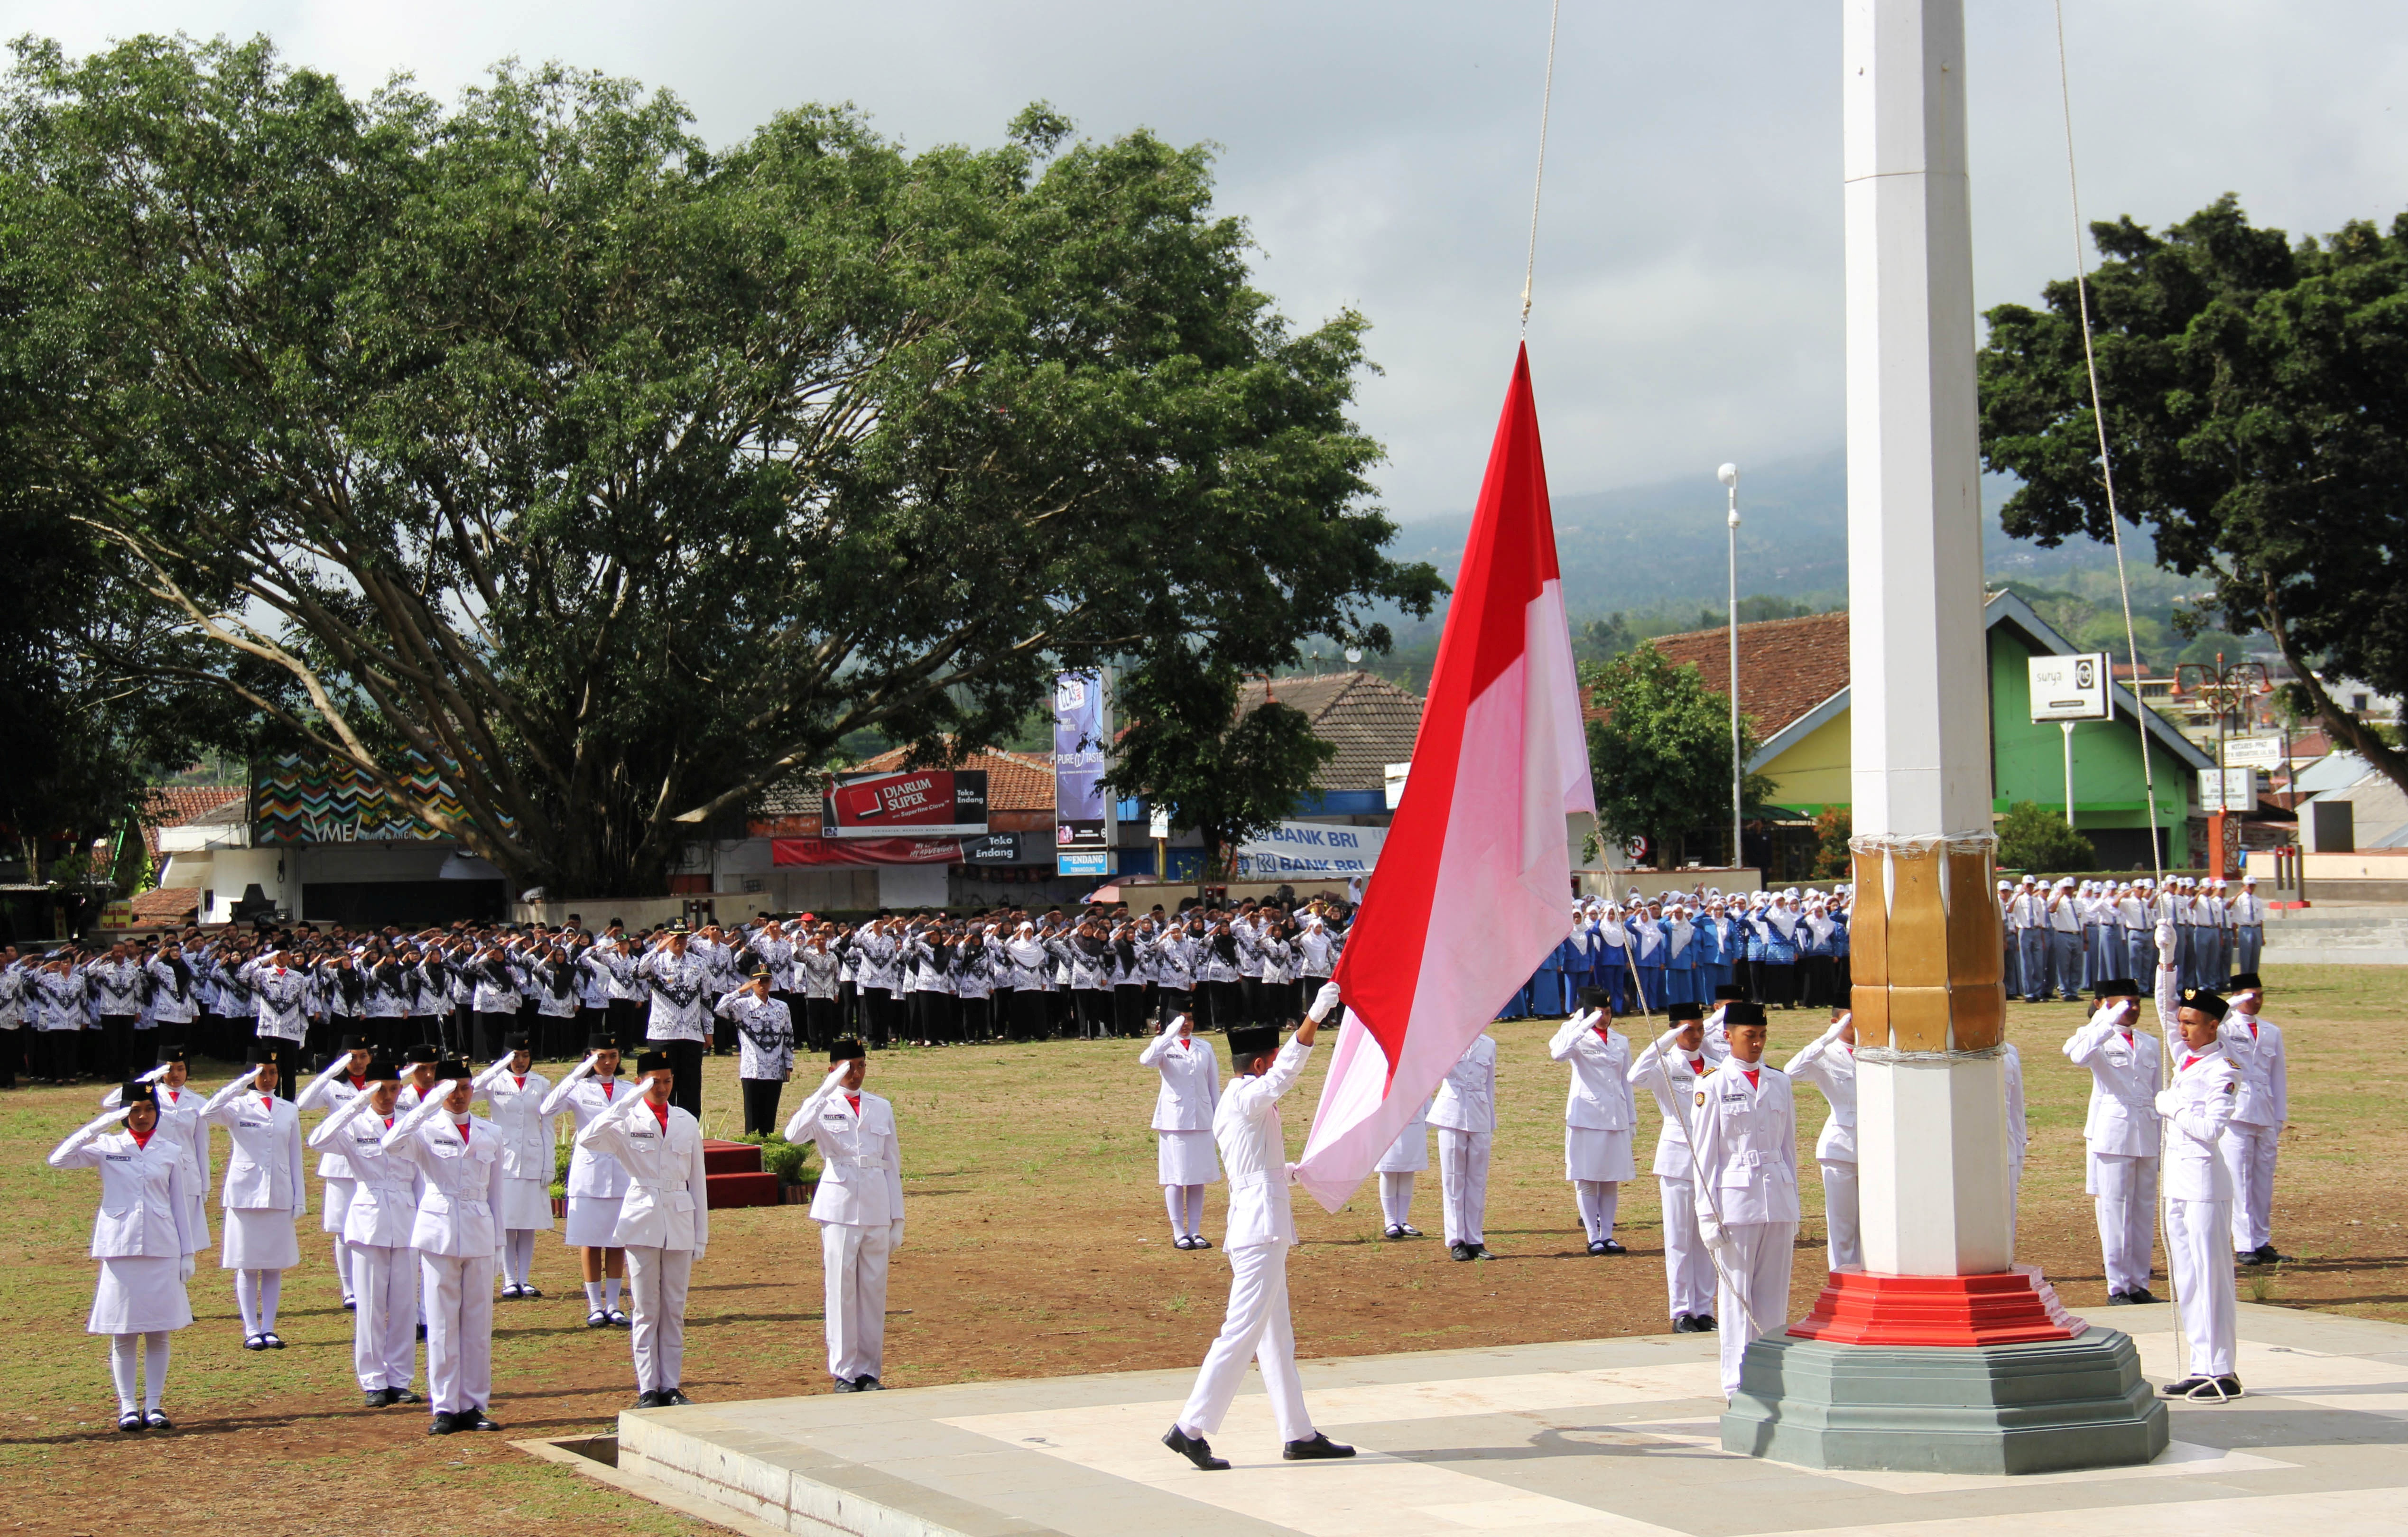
<point x="1546" y="106"/>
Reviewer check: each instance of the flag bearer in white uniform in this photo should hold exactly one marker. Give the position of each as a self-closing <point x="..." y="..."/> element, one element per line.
<point x="1598" y="1115"/>
<point x="2256" y="1047"/>
<point x="514" y="1094"/>
<point x="1829" y="1063"/>
<point x="1465" y="1112"/>
<point x="663" y="1224"/>
<point x="145" y="1241"/>
<point x="1671" y="1068"/>
<point x="264" y="1192"/>
<point x="2121" y="1135"/>
<point x="1262" y="1229"/>
<point x="1407" y="1156"/>
<point x="458" y="1237"/>
<point x="2198" y="1108"/>
<point x="1747" y="1186"/>
<point x="1183" y="1125"/>
<point x="330" y="1091"/>
<point x="859" y="1208"/>
<point x="377" y="1225"/>
<point x="597" y="1184"/>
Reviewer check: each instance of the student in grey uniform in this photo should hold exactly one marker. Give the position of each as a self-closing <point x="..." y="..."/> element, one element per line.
<point x="144" y="1241"/>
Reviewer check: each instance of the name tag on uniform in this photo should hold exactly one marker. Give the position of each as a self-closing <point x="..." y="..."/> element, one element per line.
<point x="117" y="1158"/>
<point x="641" y="1136"/>
<point x="249" y="1125"/>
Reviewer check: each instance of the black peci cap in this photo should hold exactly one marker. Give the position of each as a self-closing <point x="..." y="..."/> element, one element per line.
<point x="846" y="1050"/>
<point x="653" y="1062"/>
<point x="137" y="1093"/>
<point x="415" y="1054"/>
<point x="1248" y="1042"/>
<point x="262" y="1055"/>
<point x="452" y="1068"/>
<point x="516" y="1040"/>
<point x="383" y="1068"/>
<point x="2117" y="988"/>
<point x="601" y="1040"/>
<point x="1683" y="1014"/>
<point x="2243" y="981"/>
<point x="1597" y="998"/>
<point x="354" y="1042"/>
<point x="1740" y="1012"/>
<point x="171" y="1052"/>
<point x="2206" y="1000"/>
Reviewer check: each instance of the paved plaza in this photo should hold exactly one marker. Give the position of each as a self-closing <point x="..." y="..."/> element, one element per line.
<point x="1605" y="1437"/>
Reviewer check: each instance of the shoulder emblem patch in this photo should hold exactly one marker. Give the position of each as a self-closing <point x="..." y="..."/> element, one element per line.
<point x="1701" y="1097"/>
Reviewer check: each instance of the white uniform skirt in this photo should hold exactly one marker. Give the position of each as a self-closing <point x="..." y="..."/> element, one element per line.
<point x="1186" y="1157"/>
<point x="1408" y="1154"/>
<point x="139" y="1294"/>
<point x="1593" y="1155"/>
<point x="592" y="1221"/>
<point x="259" y="1241"/>
<point x="526" y="1204"/>
<point x="337" y="1204"/>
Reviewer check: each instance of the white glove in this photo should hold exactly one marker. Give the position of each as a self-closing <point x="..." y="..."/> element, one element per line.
<point x="2168" y="1102"/>
<point x="2169" y="948"/>
<point x="1323" y="1002"/>
<point x="1711" y="1230"/>
<point x="1837" y="1025"/>
<point x="895" y="1234"/>
<point x="154" y="1074"/>
<point x="1668" y="1043"/>
<point x="184" y="1271"/>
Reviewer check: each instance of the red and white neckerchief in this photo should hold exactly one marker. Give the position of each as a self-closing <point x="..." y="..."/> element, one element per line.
<point x="267" y="1102"/>
<point x="854" y="1101"/>
<point x="659" y="1113"/>
<point x="142" y="1139"/>
<point x="607" y="1085"/>
<point x="1698" y="1064"/>
<point x="462" y="1128"/>
<point x="519" y="1078"/>
<point x="1750" y="1074"/>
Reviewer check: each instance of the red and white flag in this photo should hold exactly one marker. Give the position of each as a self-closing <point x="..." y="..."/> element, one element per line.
<point x="1473" y="888"/>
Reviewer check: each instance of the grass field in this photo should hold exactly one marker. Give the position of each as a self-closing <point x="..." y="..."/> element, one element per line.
<point x="1036" y="1246"/>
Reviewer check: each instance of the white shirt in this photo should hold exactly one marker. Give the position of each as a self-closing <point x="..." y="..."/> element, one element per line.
<point x="1675" y="1099"/>
<point x="1747" y="1145"/>
<point x="2123" y="1079"/>
<point x="1191" y="1081"/>
<point x="2256" y="1047"/>
<point x="861" y="1185"/>
<point x="1829" y="1064"/>
<point x="1600" y="1099"/>
<point x="1253" y="1152"/>
<point x="384" y="1193"/>
<point x="2197" y="1109"/>
<point x="668" y="1193"/>
<point x="263" y="1167"/>
<point x="459" y="1181"/>
<point x="584" y="1096"/>
<point x="515" y="1104"/>
<point x="1467" y="1100"/>
<point x="143" y="1209"/>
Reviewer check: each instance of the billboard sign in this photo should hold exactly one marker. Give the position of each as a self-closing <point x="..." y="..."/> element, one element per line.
<point x="1310" y="848"/>
<point x="997" y="849"/>
<point x="2070" y="688"/>
<point x="917" y="803"/>
<point x="2228" y="789"/>
<point x="2254" y="752"/>
<point x="1083" y="819"/>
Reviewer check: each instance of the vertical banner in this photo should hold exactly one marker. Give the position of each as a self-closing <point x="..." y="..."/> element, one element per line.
<point x="1083" y="807"/>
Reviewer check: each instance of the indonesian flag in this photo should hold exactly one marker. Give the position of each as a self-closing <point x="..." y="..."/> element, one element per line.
<point x="1473" y="888"/>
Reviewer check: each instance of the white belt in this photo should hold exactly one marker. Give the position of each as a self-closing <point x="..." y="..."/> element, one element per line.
<point x="873" y="1164"/>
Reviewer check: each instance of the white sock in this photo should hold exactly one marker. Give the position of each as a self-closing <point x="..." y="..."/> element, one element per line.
<point x="1195" y="1211"/>
<point x="1397" y="1198"/>
<point x="610" y="1289"/>
<point x="246" y="1299"/>
<point x="522" y="1250"/>
<point x="121" y="1370"/>
<point x="155" y="1369"/>
<point x="271" y="1286"/>
<point x="593" y="1297"/>
<point x="343" y="1265"/>
<point x="1175" y="1197"/>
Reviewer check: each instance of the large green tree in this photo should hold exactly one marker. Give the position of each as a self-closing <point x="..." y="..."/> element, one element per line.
<point x="619" y="478"/>
<point x="1659" y="754"/>
<point x="2256" y="396"/>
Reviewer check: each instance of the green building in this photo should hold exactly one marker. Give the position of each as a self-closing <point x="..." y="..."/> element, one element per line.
<point x="1793" y="685"/>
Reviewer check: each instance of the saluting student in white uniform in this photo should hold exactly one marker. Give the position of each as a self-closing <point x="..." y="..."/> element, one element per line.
<point x="1671" y="1068"/>
<point x="597" y="1184"/>
<point x="2198" y="1109"/>
<point x="180" y="1116"/>
<point x="2120" y="1134"/>
<point x="663" y="1223"/>
<point x="1598" y="1115"/>
<point x="329" y="1091"/>
<point x="1747" y="1186"/>
<point x="859" y="1208"/>
<point x="264" y="1192"/>
<point x="1407" y="1156"/>
<point x="145" y="1243"/>
<point x="1829" y="1063"/>
<point x="1465" y="1112"/>
<point x="514" y="1094"/>
<point x="377" y="1225"/>
<point x="1183" y="1125"/>
<point x="1262" y="1229"/>
<point x="2256" y="1047"/>
<point x="458" y="1236"/>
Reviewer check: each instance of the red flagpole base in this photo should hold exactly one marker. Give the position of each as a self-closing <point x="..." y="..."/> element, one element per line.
<point x="2013" y="1307"/>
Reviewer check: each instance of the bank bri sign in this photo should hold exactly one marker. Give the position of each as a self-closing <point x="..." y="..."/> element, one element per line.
<point x="1310" y="848"/>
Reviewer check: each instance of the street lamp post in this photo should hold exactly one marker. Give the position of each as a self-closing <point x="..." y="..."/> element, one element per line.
<point x="1728" y="474"/>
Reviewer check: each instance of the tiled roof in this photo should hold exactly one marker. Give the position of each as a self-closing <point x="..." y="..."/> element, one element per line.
<point x="1370" y="721"/>
<point x="1787" y="667"/>
<point x="174" y="805"/>
<point x="165" y="904"/>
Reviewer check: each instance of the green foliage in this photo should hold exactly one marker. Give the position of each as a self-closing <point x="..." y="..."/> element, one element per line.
<point x="2251" y="389"/>
<point x="1833" y="826"/>
<point x="624" y="479"/>
<point x="2036" y="837"/>
<point x="1661" y="755"/>
<point x="1225" y="774"/>
<point x="788" y="1160"/>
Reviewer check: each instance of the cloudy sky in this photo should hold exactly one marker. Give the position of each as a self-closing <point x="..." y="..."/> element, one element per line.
<point x="1688" y="270"/>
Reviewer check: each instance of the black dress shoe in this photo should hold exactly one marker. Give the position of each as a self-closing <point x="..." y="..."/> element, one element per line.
<point x="598" y="1318"/>
<point x="273" y="1341"/>
<point x="158" y="1421"/>
<point x="2266" y="1255"/>
<point x="1681" y="1324"/>
<point x="529" y="1292"/>
<point x="254" y="1342"/>
<point x="1459" y="1251"/>
<point x="844" y="1385"/>
<point x="2230" y="1385"/>
<point x="440" y="1425"/>
<point x="350" y="1304"/>
<point x="1201" y="1242"/>
<point x="672" y="1396"/>
<point x="1319" y="1448"/>
<point x="129" y="1421"/>
<point x="649" y="1399"/>
<point x="1610" y="1246"/>
<point x="376" y="1398"/>
<point x="2252" y="1259"/>
<point x="1195" y="1449"/>
<point x="403" y="1395"/>
<point x="1704" y="1322"/>
<point x="2189" y="1385"/>
<point x="2119" y="1299"/>
<point x="1479" y="1251"/>
<point x="474" y="1419"/>
<point x="1393" y="1231"/>
<point x="1412" y="1231"/>
<point x="1596" y="1246"/>
<point x="2138" y="1295"/>
<point x="867" y="1384"/>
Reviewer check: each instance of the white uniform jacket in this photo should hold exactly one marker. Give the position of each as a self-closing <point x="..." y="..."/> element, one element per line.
<point x="1747" y="1145"/>
<point x="1191" y="1081"/>
<point x="263" y="1167"/>
<point x="1600" y="1099"/>
<point x="1253" y="1152"/>
<point x="669" y="1199"/>
<point x="384" y="1192"/>
<point x="459" y="1181"/>
<point x="1831" y="1065"/>
<point x="2123" y="1079"/>
<point x="515" y="1102"/>
<point x="1676" y="1102"/>
<point x="143" y="1209"/>
<point x="2197" y="1109"/>
<point x="329" y="1091"/>
<point x="861" y="1185"/>
<point x="1467" y="1099"/>
<point x="593" y="1175"/>
<point x="2256" y="1047"/>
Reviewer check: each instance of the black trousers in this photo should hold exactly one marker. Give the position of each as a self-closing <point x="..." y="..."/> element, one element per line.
<point x="1817" y="973"/>
<point x="876" y="1016"/>
<point x="975" y="1018"/>
<point x="13" y="1053"/>
<point x="626" y="1023"/>
<point x="1170" y="1003"/>
<point x="117" y="1040"/>
<point x="1128" y="1008"/>
<point x="685" y="1061"/>
<point x="760" y="1105"/>
<point x="1031" y="1013"/>
<point x="1777" y="984"/>
<point x="820" y="1022"/>
<point x="491" y="1026"/>
<point x="54" y="1055"/>
<point x="1094" y="1007"/>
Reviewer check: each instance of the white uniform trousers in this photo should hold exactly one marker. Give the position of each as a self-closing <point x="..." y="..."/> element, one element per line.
<point x="1754" y="1298"/>
<point x="658" y="1278"/>
<point x="459" y="1330"/>
<point x="384" y="1330"/>
<point x="1463" y="1175"/>
<point x="855" y="1260"/>
<point x="1844" y="1236"/>
<point x="1688" y="1269"/>
<point x="1256" y="1328"/>
<point x="2201" y="1267"/>
<point x="2249" y="1153"/>
<point x="2127" y="1193"/>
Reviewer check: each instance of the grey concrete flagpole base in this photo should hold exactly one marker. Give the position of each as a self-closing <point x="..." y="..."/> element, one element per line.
<point x="2050" y="1407"/>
